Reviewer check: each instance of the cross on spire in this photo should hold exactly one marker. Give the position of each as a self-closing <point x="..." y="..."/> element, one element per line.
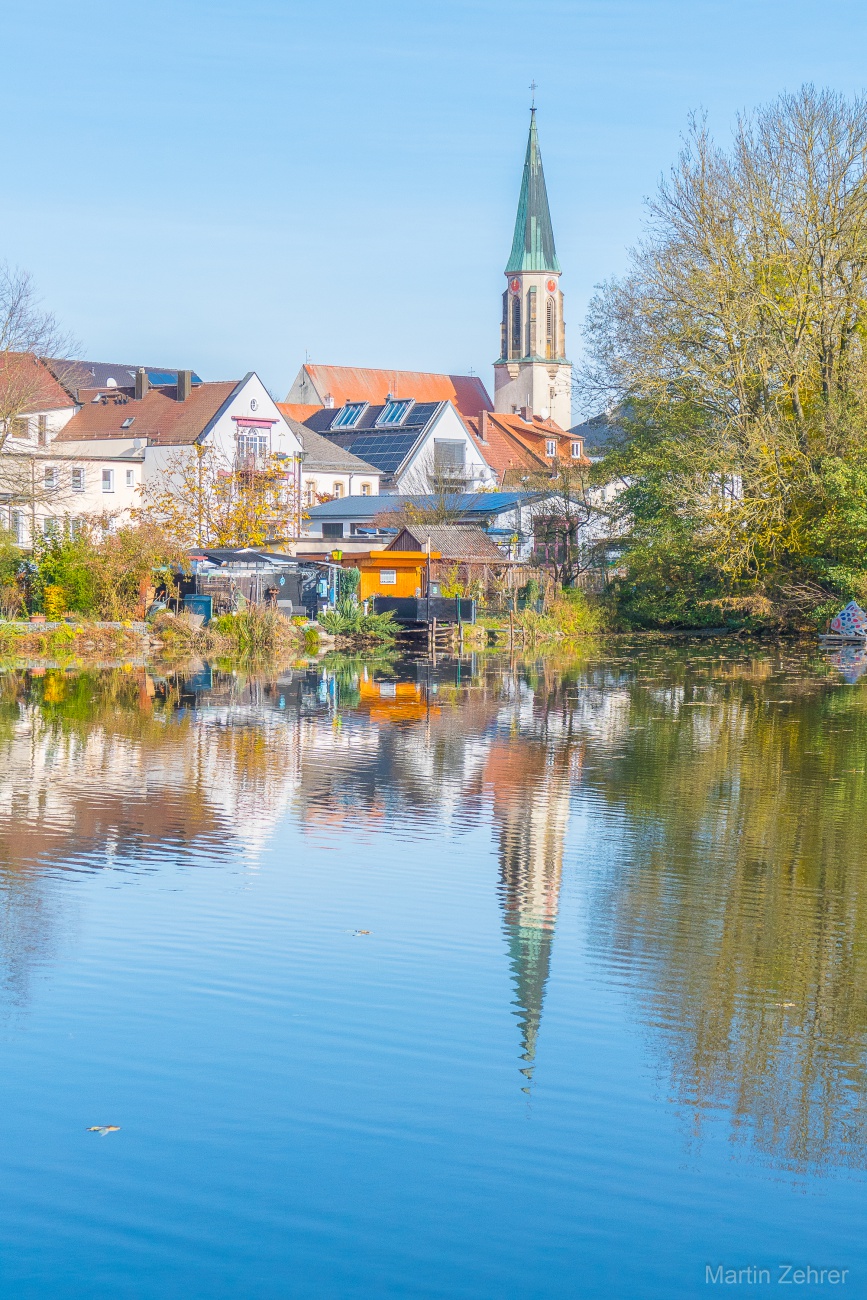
<point x="533" y="89"/>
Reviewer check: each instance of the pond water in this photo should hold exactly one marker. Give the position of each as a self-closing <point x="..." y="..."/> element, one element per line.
<point x="483" y="979"/>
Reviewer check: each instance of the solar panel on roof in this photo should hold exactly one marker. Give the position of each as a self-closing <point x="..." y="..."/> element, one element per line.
<point x="386" y="452"/>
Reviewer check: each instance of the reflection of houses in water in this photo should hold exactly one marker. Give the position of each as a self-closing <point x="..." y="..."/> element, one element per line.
<point x="530" y="785"/>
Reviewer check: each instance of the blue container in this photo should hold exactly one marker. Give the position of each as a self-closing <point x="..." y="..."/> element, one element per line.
<point x="203" y="605"/>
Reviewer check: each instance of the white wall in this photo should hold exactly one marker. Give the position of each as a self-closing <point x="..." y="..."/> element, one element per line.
<point x="323" y="484"/>
<point x="448" y="425"/>
<point x="54" y="422"/>
<point x="251" y="399"/>
<point x="76" y="470"/>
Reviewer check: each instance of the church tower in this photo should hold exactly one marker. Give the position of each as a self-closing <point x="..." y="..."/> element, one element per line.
<point x="532" y="370"/>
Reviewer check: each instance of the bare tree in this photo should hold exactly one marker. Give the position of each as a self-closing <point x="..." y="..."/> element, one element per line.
<point x="28" y="334"/>
<point x="34" y="486"/>
<point x="569" y="520"/>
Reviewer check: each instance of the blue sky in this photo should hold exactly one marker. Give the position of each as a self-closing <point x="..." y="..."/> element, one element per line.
<point x="231" y="186"/>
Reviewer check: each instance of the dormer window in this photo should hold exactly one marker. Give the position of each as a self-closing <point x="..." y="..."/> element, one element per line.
<point x="576" y="450"/>
<point x="394" y="413"/>
<point x="349" y="415"/>
<point x="550" y="447"/>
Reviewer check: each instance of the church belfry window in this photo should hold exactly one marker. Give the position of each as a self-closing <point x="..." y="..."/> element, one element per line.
<point x="531" y="321"/>
<point x="550" y="328"/>
<point x="515" y="342"/>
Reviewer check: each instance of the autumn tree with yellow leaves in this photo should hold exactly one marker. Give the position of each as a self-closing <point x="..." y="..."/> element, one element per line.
<point x="201" y="498"/>
<point x="733" y="352"/>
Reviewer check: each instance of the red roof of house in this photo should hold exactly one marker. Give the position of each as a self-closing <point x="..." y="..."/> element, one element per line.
<point x="159" y="416"/>
<point x="28" y="386"/>
<point x="515" y="447"/>
<point x="354" y="384"/>
<point x="297" y="410"/>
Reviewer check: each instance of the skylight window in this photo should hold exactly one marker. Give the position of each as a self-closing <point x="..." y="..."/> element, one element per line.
<point x="394" y="413"/>
<point x="349" y="415"/>
<point x="128" y="422"/>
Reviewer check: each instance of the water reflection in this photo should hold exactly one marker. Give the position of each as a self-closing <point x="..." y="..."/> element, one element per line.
<point x="726" y="786"/>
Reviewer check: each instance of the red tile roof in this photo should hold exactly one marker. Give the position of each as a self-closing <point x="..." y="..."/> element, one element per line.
<point x="27" y="385"/>
<point x="297" y="410"/>
<point x="353" y="384"/>
<point x="159" y="416"/>
<point x="515" y="447"/>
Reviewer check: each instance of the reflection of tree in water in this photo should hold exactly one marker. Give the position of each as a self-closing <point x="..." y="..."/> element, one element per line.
<point x="744" y="908"/>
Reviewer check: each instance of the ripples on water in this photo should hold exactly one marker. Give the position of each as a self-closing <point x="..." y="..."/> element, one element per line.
<point x="608" y="1024"/>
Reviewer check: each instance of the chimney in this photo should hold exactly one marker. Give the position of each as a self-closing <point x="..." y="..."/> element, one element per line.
<point x="526" y="414"/>
<point x="185" y="384"/>
<point x="483" y="426"/>
<point x="142" y="383"/>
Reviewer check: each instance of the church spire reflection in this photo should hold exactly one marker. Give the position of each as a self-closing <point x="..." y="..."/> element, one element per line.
<point x="531" y="808"/>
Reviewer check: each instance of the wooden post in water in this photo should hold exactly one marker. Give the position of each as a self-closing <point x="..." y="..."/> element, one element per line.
<point x="434" y="640"/>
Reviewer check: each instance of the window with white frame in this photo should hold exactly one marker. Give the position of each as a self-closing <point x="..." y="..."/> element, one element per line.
<point x="50" y="478"/>
<point x="394" y="412"/>
<point x="108" y="480"/>
<point x="388" y="577"/>
<point x="550" y="447"/>
<point x="310" y="492"/>
<point x="337" y="490"/>
<point x="365" y="489"/>
<point x="253" y="444"/>
<point x="576" y="450"/>
<point x="130" y="478"/>
<point x="50" y="527"/>
<point x="17" y="525"/>
<point x="349" y="415"/>
<point x="77" y="479"/>
<point x="74" y="527"/>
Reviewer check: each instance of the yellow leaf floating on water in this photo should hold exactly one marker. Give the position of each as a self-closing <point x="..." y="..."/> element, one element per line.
<point x="103" y="1129"/>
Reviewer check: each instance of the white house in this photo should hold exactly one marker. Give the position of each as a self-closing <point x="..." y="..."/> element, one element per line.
<point x="328" y="470"/>
<point x="417" y="447"/>
<point x="132" y="436"/>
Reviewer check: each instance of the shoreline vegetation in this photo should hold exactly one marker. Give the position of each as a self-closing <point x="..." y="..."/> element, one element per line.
<point x="729" y="490"/>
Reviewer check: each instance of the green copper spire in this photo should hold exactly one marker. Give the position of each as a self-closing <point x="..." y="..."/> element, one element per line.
<point x="533" y="244"/>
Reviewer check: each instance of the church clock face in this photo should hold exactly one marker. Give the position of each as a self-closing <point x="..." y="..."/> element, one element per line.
<point x="551" y="286"/>
<point x="515" y="285"/>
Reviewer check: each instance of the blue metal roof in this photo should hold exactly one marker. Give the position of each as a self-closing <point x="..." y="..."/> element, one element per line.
<point x="468" y="503"/>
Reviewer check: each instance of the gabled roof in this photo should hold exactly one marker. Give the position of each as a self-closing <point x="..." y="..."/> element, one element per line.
<point x="27" y="386"/>
<point x="452" y="541"/>
<point x="533" y="241"/>
<point x="344" y="384"/>
<point x="388" y="448"/>
<point x="323" y="455"/>
<point x="515" y="447"/>
<point x="299" y="411"/>
<point x="107" y="374"/>
<point x="159" y="416"/>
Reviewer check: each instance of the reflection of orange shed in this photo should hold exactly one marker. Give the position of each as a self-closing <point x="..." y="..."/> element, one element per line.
<point x="394" y="701"/>
<point x="390" y="573"/>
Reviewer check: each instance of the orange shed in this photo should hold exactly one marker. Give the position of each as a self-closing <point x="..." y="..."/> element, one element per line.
<point x="390" y="573"/>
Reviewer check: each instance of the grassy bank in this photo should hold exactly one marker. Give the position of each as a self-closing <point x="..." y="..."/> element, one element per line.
<point x="82" y="640"/>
